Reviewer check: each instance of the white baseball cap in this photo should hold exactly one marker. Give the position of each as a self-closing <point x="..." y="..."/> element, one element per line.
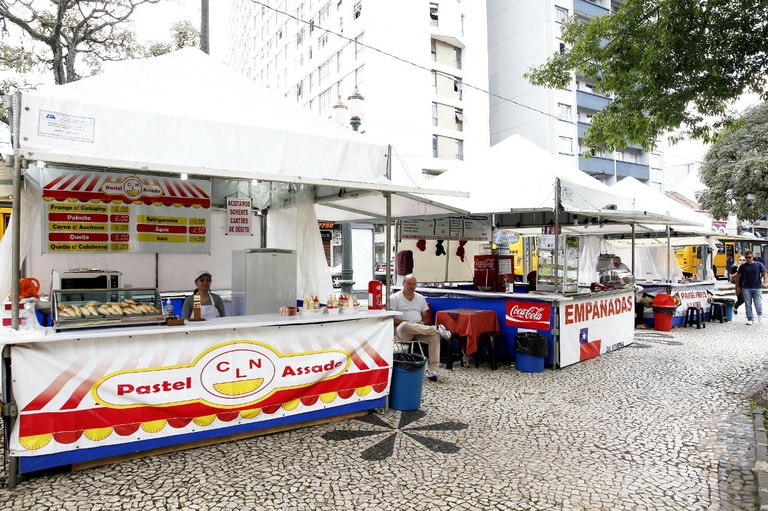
<point x="200" y="273"/>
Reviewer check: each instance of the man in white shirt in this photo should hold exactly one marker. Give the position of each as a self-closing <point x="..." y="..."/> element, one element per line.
<point x="414" y="325"/>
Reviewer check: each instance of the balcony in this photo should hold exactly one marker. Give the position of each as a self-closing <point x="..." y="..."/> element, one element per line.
<point x="591" y="101"/>
<point x="605" y="166"/>
<point x="588" y="8"/>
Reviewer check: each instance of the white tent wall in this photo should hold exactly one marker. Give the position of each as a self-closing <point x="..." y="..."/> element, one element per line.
<point x="429" y="267"/>
<point x="294" y="227"/>
<point x="30" y="219"/>
<point x="650" y="261"/>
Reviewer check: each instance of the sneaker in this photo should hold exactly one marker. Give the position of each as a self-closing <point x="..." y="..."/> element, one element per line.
<point x="442" y="332"/>
<point x="431" y="375"/>
<point x="749" y="322"/>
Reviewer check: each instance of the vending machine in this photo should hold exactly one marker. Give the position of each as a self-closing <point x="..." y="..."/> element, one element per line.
<point x="493" y="272"/>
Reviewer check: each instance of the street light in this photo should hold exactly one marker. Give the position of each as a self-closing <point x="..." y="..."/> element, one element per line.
<point x="352" y="114"/>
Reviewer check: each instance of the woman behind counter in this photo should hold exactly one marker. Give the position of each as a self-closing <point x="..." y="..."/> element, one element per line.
<point x="211" y="304"/>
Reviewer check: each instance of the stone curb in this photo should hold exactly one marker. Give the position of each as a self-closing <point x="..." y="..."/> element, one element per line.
<point x="761" y="455"/>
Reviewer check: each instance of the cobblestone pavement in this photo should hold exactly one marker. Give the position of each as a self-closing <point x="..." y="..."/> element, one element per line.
<point x="663" y="424"/>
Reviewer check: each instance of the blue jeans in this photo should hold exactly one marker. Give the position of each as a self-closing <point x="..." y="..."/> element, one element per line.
<point x="750" y="296"/>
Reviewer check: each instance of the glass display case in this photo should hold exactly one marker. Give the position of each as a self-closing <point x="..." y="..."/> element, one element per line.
<point x="562" y="277"/>
<point x="616" y="278"/>
<point x="90" y="308"/>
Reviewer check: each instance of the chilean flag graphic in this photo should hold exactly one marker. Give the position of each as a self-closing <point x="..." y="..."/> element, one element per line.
<point x="588" y="349"/>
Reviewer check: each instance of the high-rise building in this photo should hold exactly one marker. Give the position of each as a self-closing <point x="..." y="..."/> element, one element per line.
<point x="525" y="33"/>
<point x="420" y="65"/>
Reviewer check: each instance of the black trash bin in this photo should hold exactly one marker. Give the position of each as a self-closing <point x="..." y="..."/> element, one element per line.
<point x="531" y="349"/>
<point x="728" y="303"/>
<point x="407" y="380"/>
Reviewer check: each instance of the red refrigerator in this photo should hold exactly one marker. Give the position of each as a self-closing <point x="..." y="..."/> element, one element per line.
<point x="492" y="272"/>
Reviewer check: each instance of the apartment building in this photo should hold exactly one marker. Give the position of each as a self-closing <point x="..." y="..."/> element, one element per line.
<point x="420" y="65"/>
<point x="523" y="34"/>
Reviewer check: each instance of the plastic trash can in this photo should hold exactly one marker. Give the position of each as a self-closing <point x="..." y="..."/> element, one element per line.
<point x="664" y="308"/>
<point x="407" y="380"/>
<point x="531" y="348"/>
<point x="729" y="303"/>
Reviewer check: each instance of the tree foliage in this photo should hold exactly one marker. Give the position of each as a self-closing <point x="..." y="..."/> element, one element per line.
<point x="668" y="64"/>
<point x="65" y="35"/>
<point x="183" y="35"/>
<point x="735" y="166"/>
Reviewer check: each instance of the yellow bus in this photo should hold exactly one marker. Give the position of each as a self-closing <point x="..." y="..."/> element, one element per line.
<point x="690" y="257"/>
<point x="5" y="214"/>
<point x="517" y="250"/>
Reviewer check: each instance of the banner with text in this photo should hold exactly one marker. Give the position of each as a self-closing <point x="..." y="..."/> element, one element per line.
<point x="85" y="393"/>
<point x="593" y="326"/>
<point x="111" y="212"/>
<point x="470" y="228"/>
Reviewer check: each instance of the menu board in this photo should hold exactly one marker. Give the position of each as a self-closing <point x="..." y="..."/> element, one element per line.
<point x="471" y="228"/>
<point x="112" y="212"/>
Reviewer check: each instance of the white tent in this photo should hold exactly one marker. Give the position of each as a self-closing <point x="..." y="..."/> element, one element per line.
<point x="649" y="199"/>
<point x="187" y="113"/>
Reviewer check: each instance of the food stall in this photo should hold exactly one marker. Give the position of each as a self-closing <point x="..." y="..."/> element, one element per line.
<point x="102" y="185"/>
<point x="559" y="201"/>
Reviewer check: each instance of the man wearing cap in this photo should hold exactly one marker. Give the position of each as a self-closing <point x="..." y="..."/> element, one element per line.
<point x="211" y="305"/>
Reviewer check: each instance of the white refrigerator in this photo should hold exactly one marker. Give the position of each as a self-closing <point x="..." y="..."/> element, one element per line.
<point x="263" y="280"/>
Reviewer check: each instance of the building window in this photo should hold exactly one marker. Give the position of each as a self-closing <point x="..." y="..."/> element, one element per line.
<point x="459" y="149"/>
<point x="299" y="93"/>
<point x="590" y="88"/>
<point x="323" y="72"/>
<point x="322" y="40"/>
<point x="565" y="145"/>
<point x="338" y="61"/>
<point x="565" y="111"/>
<point x="359" y="76"/>
<point x="433" y="13"/>
<point x="562" y="47"/>
<point x="462" y="24"/>
<point x="457" y="57"/>
<point x="299" y="38"/>
<point x="459" y="119"/>
<point x="325" y="100"/>
<point x="358" y="46"/>
<point x="434" y="114"/>
<point x="655" y="160"/>
<point x="357" y="10"/>
<point x="458" y="88"/>
<point x="434" y="146"/>
<point x="325" y="12"/>
<point x="433" y="49"/>
<point x="434" y="82"/>
<point x="561" y="14"/>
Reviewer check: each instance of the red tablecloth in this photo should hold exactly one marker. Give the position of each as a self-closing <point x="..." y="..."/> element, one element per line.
<point x="469" y="323"/>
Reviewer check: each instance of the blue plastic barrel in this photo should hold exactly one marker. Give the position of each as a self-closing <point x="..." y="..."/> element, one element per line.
<point x="407" y="380"/>
<point x="529" y="363"/>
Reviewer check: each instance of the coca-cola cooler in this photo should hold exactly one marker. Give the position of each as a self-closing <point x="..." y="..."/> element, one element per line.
<point x="492" y="272"/>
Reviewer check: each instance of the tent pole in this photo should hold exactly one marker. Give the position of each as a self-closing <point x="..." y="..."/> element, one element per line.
<point x="557" y="235"/>
<point x="633" y="248"/>
<point x="16" y="214"/>
<point x="669" y="256"/>
<point x="388" y="231"/>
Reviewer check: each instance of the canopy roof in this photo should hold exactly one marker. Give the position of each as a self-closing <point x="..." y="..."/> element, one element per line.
<point x="185" y="112"/>
<point x="516" y="181"/>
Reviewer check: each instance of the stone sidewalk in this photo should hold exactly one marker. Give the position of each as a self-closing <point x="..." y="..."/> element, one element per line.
<point x="663" y="424"/>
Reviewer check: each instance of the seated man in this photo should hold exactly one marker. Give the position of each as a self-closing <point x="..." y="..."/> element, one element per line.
<point x="414" y="325"/>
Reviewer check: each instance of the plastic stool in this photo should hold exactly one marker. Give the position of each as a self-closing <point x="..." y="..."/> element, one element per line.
<point x="695" y="314"/>
<point x="717" y="311"/>
<point x="491" y="341"/>
<point x="455" y="347"/>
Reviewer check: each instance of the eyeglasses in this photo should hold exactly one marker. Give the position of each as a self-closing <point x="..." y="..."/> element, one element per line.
<point x="748" y="257"/>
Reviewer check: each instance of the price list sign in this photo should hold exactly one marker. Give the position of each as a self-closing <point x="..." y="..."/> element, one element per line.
<point x="108" y="212"/>
<point x="476" y="228"/>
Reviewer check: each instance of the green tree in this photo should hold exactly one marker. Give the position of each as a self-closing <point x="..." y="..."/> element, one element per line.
<point x="64" y="35"/>
<point x="183" y="35"/>
<point x="735" y="166"/>
<point x="668" y="64"/>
